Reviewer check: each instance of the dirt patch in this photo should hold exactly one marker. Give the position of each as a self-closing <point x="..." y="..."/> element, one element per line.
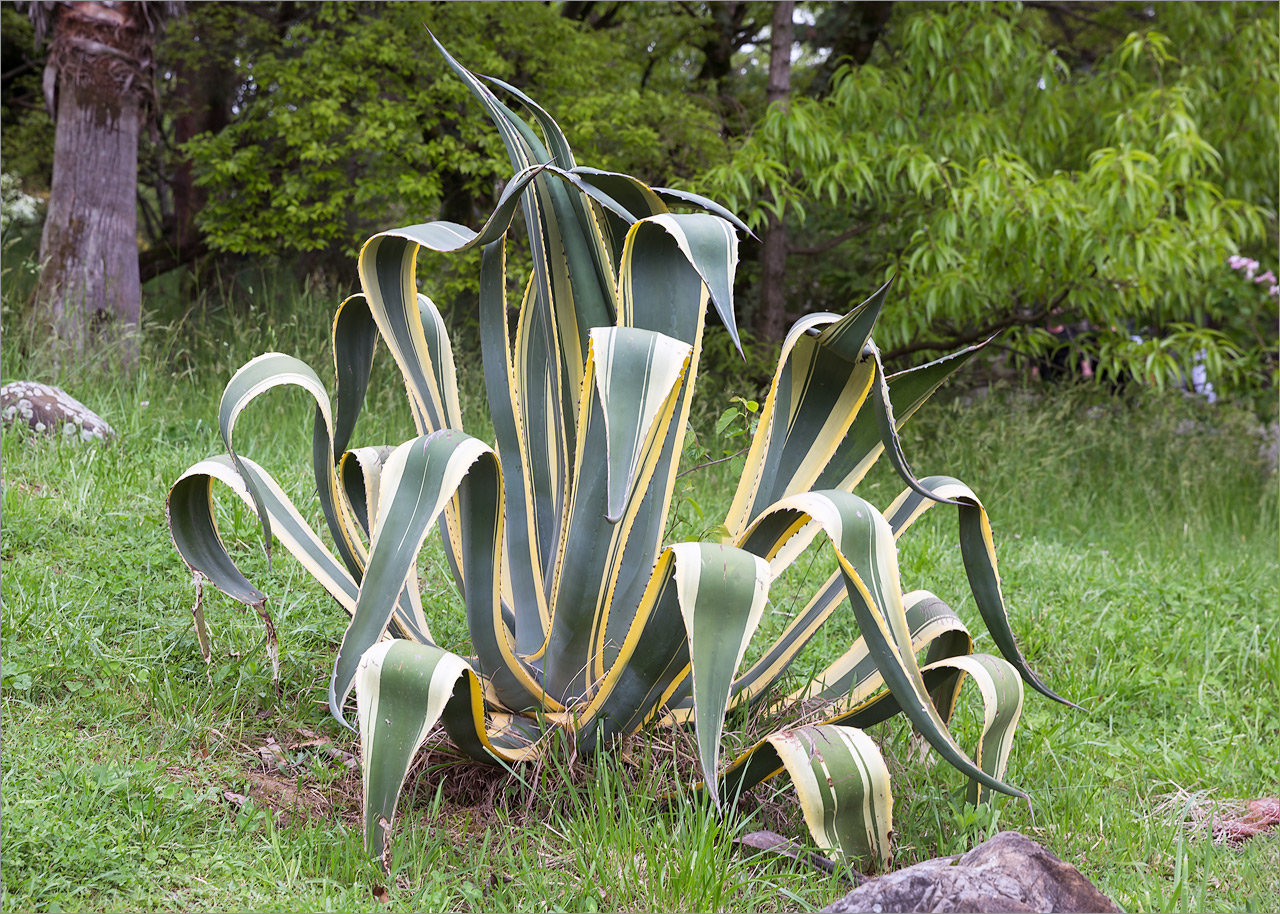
<point x="291" y="800"/>
<point x="300" y="778"/>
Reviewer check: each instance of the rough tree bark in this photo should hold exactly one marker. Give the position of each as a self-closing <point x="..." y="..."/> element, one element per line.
<point x="770" y="316"/>
<point x="89" y="295"/>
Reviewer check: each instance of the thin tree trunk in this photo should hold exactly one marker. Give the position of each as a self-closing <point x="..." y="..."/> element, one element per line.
<point x="202" y="104"/>
<point x="89" y="295"/>
<point x="770" y="317"/>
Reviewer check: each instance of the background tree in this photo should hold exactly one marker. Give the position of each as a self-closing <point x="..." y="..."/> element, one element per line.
<point x="26" y="128"/>
<point x="1009" y="191"/>
<point x="345" y="122"/>
<point x="1073" y="173"/>
<point x="97" y="80"/>
<point x="771" y="314"/>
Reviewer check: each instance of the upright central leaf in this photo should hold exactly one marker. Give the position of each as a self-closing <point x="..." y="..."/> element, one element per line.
<point x="633" y="380"/>
<point x="636" y="372"/>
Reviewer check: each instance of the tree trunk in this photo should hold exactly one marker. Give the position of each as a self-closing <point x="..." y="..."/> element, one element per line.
<point x="201" y="103"/>
<point x="89" y="294"/>
<point x="770" y="316"/>
<point x="724" y="36"/>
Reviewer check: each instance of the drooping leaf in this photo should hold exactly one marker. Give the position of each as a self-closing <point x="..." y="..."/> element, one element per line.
<point x="722" y="593"/>
<point x="908" y="391"/>
<point x="402" y="691"/>
<point x="354" y="336"/>
<point x="670" y="195"/>
<point x="1001" y="690"/>
<point x="978" y="550"/>
<point x="419" y="479"/>
<point x="864" y="547"/>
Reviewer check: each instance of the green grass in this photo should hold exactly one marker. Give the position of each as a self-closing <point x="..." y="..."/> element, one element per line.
<point x="1137" y="540"/>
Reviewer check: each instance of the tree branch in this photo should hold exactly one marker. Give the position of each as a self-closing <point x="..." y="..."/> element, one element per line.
<point x="827" y="245"/>
<point x="162" y="258"/>
<point x="1065" y="10"/>
<point x="710" y="463"/>
<point x="17" y="71"/>
<point x="976" y="334"/>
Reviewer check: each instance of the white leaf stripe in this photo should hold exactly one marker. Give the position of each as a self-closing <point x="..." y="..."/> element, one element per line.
<point x="402" y="691"/>
<point x="264" y="373"/>
<point x="1002" y="697"/>
<point x="429" y="469"/>
<point x="631" y="415"/>
<point x="291" y="529"/>
<point x="978" y="551"/>
<point x="771" y="425"/>
<point x="851" y="678"/>
<point x="388" y="276"/>
<point x="389" y="737"/>
<point x="702" y="238"/>
<point x="587" y="566"/>
<point x="862" y="445"/>
<point x="669" y="297"/>
<point x="254" y="378"/>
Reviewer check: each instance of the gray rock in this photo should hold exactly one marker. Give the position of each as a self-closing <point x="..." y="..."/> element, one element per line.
<point x="1008" y="873"/>
<point x="50" y="410"/>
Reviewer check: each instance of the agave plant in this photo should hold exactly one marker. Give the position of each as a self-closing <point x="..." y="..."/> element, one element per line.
<point x="581" y="619"/>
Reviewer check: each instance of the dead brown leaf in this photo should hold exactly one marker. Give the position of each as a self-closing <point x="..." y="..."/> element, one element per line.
<point x="1227" y="821"/>
<point x="1257" y="817"/>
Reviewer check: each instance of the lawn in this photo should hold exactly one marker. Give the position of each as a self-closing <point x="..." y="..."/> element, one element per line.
<point x="1138" y="541"/>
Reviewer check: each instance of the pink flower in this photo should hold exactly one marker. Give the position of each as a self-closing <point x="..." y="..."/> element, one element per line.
<point x="1266" y="277"/>
<point x="1236" y="262"/>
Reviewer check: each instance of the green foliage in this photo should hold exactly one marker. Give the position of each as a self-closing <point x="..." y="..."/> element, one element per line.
<point x="1011" y="185"/>
<point x="26" y="129"/>
<point x="345" y="124"/>
<point x="1105" y="202"/>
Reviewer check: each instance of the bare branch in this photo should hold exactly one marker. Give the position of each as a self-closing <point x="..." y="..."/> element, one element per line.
<point x="710" y="463"/>
<point x="1065" y="9"/>
<point x="823" y="247"/>
<point x="976" y="334"/>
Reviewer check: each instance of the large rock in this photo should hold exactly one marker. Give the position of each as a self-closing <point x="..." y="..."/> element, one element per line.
<point x="51" y="410"/>
<point x="1009" y="873"/>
